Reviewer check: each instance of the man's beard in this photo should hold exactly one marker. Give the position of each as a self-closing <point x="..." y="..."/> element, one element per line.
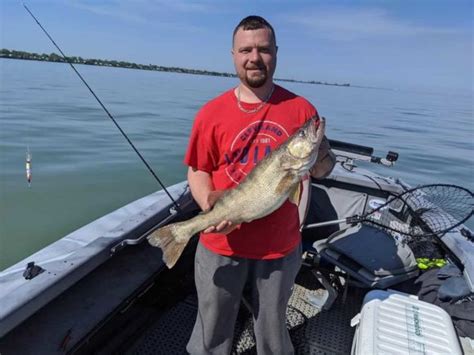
<point x="255" y="81"/>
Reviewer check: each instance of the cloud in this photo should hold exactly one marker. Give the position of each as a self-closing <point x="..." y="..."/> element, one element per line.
<point x="349" y="24"/>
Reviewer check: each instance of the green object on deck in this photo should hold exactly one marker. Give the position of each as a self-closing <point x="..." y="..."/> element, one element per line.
<point x="427" y="263"/>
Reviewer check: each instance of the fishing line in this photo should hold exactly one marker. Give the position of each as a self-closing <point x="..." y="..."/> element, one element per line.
<point x="104" y="108"/>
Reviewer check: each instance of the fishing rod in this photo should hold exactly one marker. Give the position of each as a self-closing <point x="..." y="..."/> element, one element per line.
<point x="105" y="109"/>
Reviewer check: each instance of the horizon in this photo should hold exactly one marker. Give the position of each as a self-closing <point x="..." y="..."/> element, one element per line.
<point x="417" y="45"/>
<point x="175" y="69"/>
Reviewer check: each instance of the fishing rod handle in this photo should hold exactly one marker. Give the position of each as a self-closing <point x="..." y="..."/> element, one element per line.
<point x="349" y="220"/>
<point x="328" y="223"/>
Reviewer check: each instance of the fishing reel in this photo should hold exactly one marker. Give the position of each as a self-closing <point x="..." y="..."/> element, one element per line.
<point x="389" y="160"/>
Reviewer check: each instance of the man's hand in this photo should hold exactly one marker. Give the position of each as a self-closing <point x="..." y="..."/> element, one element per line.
<point x="225" y="227"/>
<point x="325" y="162"/>
<point x="212" y="198"/>
<point x="202" y="189"/>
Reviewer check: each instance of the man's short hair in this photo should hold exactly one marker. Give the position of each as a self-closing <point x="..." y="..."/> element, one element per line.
<point x="254" y="23"/>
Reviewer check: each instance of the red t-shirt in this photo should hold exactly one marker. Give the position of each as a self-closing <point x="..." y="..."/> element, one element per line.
<point x="228" y="143"/>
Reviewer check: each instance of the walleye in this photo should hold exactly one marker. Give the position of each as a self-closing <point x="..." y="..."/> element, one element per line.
<point x="274" y="179"/>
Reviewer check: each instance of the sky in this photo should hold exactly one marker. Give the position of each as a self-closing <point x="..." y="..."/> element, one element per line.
<point x="426" y="44"/>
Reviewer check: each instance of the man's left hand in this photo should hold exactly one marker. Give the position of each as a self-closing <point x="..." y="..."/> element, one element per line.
<point x="325" y="162"/>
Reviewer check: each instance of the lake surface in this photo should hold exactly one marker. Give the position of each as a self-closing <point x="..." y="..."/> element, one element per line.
<point x="83" y="168"/>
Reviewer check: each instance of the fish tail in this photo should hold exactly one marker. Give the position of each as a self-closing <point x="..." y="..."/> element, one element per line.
<point x="172" y="239"/>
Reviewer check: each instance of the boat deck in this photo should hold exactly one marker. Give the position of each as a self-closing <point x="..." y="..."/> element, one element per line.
<point x="312" y="331"/>
<point x="158" y="318"/>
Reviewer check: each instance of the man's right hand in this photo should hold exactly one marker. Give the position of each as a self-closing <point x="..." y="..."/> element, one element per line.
<point x="225" y="227"/>
<point x="212" y="198"/>
<point x="202" y="189"/>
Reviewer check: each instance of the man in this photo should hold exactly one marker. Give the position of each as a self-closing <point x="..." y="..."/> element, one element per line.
<point x="231" y="133"/>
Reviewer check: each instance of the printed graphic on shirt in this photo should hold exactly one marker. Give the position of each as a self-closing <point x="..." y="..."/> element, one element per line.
<point x="250" y="146"/>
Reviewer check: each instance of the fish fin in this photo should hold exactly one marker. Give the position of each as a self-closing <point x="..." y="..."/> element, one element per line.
<point x="295" y="194"/>
<point x="170" y="241"/>
<point x="284" y="185"/>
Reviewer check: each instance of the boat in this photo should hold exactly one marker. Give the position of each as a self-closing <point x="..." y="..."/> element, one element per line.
<point x="104" y="289"/>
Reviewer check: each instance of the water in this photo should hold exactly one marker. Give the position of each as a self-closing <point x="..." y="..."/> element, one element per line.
<point x="83" y="168"/>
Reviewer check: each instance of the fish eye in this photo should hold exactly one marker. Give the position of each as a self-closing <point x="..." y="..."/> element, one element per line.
<point x="301" y="134"/>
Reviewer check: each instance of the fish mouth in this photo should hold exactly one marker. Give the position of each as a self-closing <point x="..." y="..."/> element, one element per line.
<point x="313" y="131"/>
<point x="308" y="138"/>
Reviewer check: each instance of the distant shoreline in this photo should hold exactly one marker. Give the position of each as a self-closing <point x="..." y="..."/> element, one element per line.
<point x="55" y="58"/>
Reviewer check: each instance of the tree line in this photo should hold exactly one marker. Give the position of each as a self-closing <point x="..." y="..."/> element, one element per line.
<point x="53" y="57"/>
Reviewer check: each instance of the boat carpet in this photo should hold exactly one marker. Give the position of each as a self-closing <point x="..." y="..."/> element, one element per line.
<point x="312" y="331"/>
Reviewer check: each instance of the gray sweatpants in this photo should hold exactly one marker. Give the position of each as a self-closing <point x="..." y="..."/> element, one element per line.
<point x="220" y="281"/>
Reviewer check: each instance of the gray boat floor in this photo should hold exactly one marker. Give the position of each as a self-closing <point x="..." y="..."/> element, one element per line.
<point x="158" y="318"/>
<point x="312" y="331"/>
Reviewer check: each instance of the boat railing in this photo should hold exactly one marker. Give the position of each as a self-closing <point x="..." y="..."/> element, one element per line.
<point x="172" y="214"/>
<point x="349" y="152"/>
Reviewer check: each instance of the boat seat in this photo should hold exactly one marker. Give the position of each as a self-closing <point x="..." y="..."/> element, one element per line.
<point x="371" y="257"/>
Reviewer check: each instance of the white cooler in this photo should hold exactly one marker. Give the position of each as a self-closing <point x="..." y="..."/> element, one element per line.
<point x="392" y="322"/>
